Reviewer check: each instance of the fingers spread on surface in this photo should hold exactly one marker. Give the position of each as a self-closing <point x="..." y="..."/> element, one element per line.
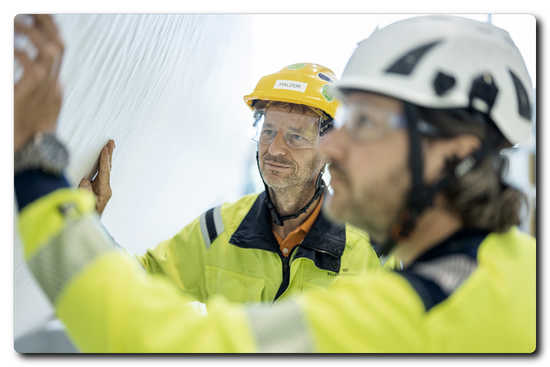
<point x="85" y="184"/>
<point x="32" y="33"/>
<point x="102" y="186"/>
<point x="111" y="146"/>
<point x="53" y="49"/>
<point x="105" y="163"/>
<point x="25" y="85"/>
<point x="38" y="52"/>
<point x="47" y="23"/>
<point x="44" y="37"/>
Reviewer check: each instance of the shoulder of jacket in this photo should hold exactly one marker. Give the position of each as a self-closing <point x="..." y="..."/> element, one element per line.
<point x="241" y="205"/>
<point x="232" y="213"/>
<point x="508" y="246"/>
<point x="516" y="234"/>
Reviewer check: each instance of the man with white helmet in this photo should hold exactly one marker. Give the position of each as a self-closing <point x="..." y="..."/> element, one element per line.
<point x="428" y="103"/>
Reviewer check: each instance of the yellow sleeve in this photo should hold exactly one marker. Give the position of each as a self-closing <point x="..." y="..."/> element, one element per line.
<point x="114" y="307"/>
<point x="107" y="302"/>
<point x="374" y="313"/>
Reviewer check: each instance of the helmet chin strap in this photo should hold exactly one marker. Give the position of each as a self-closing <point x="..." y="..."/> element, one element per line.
<point x="421" y="195"/>
<point x="280" y="219"/>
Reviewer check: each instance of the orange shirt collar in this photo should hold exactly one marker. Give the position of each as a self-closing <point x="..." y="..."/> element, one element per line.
<point x="296" y="237"/>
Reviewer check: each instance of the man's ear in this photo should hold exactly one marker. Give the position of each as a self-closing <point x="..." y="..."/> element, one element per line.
<point x="437" y="152"/>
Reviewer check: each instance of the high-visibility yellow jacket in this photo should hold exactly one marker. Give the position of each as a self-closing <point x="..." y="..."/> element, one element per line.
<point x="230" y="250"/>
<point x="474" y="292"/>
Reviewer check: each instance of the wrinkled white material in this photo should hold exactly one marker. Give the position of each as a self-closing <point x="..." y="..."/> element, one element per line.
<point x="168" y="89"/>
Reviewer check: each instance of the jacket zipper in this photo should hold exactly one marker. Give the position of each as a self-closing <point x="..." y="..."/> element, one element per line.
<point x="286" y="272"/>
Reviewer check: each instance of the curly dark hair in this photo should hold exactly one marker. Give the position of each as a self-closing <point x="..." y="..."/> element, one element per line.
<point x="481" y="196"/>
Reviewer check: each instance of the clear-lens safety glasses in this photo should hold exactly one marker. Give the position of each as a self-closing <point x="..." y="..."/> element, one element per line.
<point x="295" y="137"/>
<point x="365" y="122"/>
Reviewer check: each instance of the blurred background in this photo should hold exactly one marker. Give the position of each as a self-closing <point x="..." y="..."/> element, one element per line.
<point x="169" y="90"/>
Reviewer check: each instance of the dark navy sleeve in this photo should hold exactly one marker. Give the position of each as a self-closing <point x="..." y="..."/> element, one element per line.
<point x="428" y="291"/>
<point x="31" y="185"/>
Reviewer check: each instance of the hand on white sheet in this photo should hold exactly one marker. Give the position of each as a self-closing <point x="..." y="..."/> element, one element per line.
<point x="37" y="94"/>
<point x="100" y="183"/>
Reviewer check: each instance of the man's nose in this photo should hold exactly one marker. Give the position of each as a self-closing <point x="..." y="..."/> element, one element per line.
<point x="278" y="145"/>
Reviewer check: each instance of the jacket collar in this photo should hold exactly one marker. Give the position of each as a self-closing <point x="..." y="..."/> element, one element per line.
<point x="324" y="243"/>
<point x="465" y="241"/>
<point x="434" y="280"/>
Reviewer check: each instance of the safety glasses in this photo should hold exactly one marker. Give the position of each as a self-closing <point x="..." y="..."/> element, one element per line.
<point x="295" y="137"/>
<point x="364" y="122"/>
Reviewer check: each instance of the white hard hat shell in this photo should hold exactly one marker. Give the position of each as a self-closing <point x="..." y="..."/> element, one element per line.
<point x="404" y="59"/>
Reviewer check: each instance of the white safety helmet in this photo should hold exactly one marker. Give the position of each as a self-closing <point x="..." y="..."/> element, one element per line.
<point x="447" y="62"/>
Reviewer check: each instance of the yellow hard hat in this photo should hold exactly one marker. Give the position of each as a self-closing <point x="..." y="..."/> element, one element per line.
<point x="303" y="83"/>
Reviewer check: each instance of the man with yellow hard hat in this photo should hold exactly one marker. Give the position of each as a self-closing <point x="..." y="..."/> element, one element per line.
<point x="266" y="246"/>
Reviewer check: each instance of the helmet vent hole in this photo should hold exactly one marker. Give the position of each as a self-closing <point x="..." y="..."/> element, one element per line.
<point x="524" y="105"/>
<point x="443" y="83"/>
<point x="483" y="93"/>
<point x="407" y="62"/>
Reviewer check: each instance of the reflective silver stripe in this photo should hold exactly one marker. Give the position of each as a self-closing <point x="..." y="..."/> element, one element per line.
<point x="280" y="328"/>
<point x="449" y="272"/>
<point x="218" y="220"/>
<point x="204" y="230"/>
<point x="79" y="243"/>
<point x="211" y="225"/>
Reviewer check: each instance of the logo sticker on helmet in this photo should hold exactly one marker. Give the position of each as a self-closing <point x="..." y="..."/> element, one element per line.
<point x="326" y="92"/>
<point x="290" y="85"/>
<point x="296" y="66"/>
<point x="325" y="77"/>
